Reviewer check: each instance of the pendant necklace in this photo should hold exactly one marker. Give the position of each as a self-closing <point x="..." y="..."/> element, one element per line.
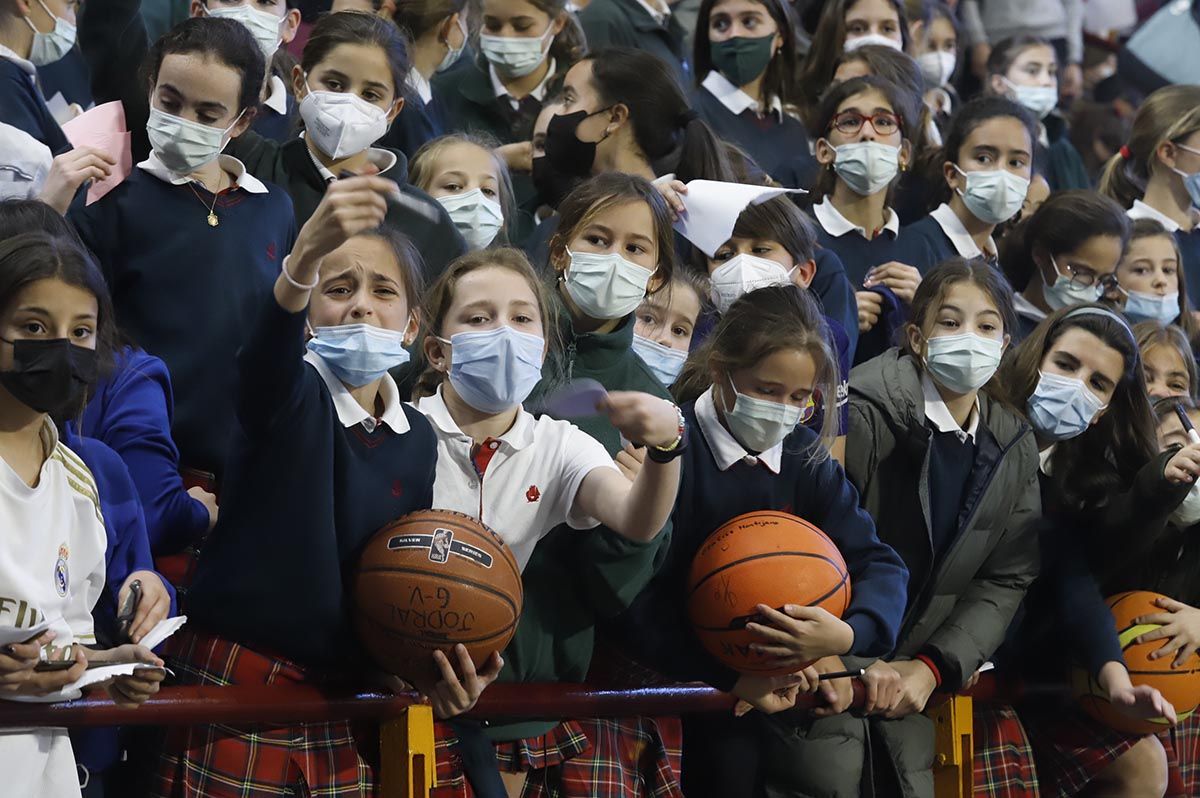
<point x="213" y="221"/>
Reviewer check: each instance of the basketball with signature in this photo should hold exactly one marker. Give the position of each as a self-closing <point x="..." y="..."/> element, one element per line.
<point x="765" y="557"/>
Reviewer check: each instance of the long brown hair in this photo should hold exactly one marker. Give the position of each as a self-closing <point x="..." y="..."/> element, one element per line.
<point x="1169" y="114"/>
<point x="1152" y="334"/>
<point x="828" y="44"/>
<point x="759" y="324"/>
<point x="441" y="296"/>
<point x="1087" y="469"/>
<point x="780" y="76"/>
<point x="1152" y="228"/>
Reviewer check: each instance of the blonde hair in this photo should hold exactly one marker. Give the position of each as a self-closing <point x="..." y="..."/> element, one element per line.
<point x="1169" y="114"/>
<point x="423" y="168"/>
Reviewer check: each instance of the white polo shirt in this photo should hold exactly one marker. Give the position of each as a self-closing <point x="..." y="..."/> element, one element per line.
<point x="734" y="99"/>
<point x="51" y="568"/>
<point x="831" y="219"/>
<point x="522" y="484"/>
<point x="1140" y="210"/>
<point x="960" y="239"/>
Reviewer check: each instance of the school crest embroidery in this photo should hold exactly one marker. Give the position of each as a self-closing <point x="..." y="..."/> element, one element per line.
<point x="62" y="577"/>
<point x="533" y="494"/>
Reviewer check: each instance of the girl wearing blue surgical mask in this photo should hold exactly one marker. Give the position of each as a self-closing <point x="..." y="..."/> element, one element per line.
<point x="1153" y="286"/>
<point x="666" y="323"/>
<point x="463" y="172"/>
<point x="1025" y="70"/>
<point x="490" y="330"/>
<point x="773" y="244"/>
<point x="190" y="241"/>
<point x="1079" y="380"/>
<point x="1065" y="254"/>
<point x="439" y="33"/>
<point x="1156" y="175"/>
<point x="313" y="390"/>
<point x="950" y="475"/>
<point x="747" y="392"/>
<point x="350" y="85"/>
<point x="984" y="167"/>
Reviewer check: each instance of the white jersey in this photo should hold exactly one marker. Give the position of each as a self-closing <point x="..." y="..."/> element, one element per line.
<point x="52" y="545"/>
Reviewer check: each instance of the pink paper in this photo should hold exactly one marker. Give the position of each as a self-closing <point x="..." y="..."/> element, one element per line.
<point x="103" y="127"/>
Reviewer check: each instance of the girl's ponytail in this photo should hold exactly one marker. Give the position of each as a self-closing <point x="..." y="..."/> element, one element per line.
<point x="702" y="154"/>
<point x="1120" y="182"/>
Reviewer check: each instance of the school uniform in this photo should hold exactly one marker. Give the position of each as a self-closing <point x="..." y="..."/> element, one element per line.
<point x="959" y="505"/>
<point x="419" y="121"/>
<point x="51" y="569"/>
<point x="640" y="25"/>
<point x="832" y="287"/>
<point x="24" y="164"/>
<point x="1029" y="316"/>
<point x="799" y="170"/>
<point x="722" y="480"/>
<point x="131" y="411"/>
<point x="940" y="236"/>
<point x="532" y="475"/>
<point x="22" y="104"/>
<point x="293" y="166"/>
<point x="472" y="98"/>
<point x="849" y="242"/>
<point x="186" y="291"/>
<point x="1057" y="158"/>
<point x="1188" y="241"/>
<point x="276" y="119"/>
<point x="270" y="602"/>
<point x="769" y="135"/>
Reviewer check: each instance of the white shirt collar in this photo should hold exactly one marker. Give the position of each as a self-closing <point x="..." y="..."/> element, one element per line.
<point x="381" y="159"/>
<point x="241" y="178"/>
<point x="24" y="63"/>
<point x="725" y="447"/>
<point x="1044" y="459"/>
<point x="418" y="83"/>
<point x="734" y="98"/>
<point x="837" y="225"/>
<point x="1025" y="308"/>
<point x="1141" y="210"/>
<point x="658" y="14"/>
<point x="538" y="93"/>
<point x="939" y="415"/>
<point x="518" y="436"/>
<point x="350" y="412"/>
<point x="277" y="100"/>
<point x="953" y="227"/>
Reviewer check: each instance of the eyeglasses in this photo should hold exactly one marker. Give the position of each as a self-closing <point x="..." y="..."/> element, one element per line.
<point x="1085" y="277"/>
<point x="848" y="123"/>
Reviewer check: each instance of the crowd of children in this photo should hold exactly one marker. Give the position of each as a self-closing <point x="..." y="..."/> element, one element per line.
<point x="348" y="253"/>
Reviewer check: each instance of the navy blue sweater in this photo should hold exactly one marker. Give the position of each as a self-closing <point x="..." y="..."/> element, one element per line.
<point x="657" y="624"/>
<point x="273" y="125"/>
<point x="1189" y="250"/>
<point x="769" y="140"/>
<point x="303" y="496"/>
<point x="417" y="123"/>
<point x="858" y="255"/>
<point x="833" y="288"/>
<point x="22" y="106"/>
<point x="131" y="412"/>
<point x="187" y="292"/>
<point x="926" y="244"/>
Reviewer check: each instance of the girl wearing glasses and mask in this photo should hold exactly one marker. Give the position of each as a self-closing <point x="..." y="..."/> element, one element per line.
<point x="1065" y="254"/>
<point x="747" y="394"/>
<point x="984" y="167"/>
<point x="862" y="148"/>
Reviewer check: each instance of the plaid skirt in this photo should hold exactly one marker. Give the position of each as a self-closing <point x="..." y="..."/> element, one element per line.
<point x="1072" y="749"/>
<point x="1004" y="765"/>
<point x="1182" y="744"/>
<point x="593" y="758"/>
<point x="334" y="758"/>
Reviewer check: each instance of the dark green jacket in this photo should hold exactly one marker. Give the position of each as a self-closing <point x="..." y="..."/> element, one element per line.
<point x="576" y="579"/>
<point x="960" y="607"/>
<point x="624" y="23"/>
<point x="290" y="165"/>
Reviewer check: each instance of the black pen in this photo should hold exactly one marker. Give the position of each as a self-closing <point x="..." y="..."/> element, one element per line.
<point x="857" y="673"/>
<point x="399" y="198"/>
<point x="128" y="610"/>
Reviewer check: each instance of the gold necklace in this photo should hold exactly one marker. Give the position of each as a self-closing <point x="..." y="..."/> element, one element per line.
<point x="213" y="221"/>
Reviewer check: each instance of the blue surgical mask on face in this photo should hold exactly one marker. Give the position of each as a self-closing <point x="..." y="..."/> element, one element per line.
<point x="1064" y="293"/>
<point x="963" y="363"/>
<point x="1151" y="307"/>
<point x="359" y="353"/>
<point x="663" y="361"/>
<point x="1191" y="182"/>
<point x="495" y="370"/>
<point x="759" y="424"/>
<point x="1062" y="407"/>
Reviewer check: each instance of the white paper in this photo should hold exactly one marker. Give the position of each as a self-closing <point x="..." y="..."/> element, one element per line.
<point x="10" y="635"/>
<point x="713" y="208"/>
<point x="987" y="666"/>
<point x="162" y="630"/>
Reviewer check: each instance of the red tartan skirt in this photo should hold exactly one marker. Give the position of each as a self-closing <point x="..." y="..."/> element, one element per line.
<point x="1072" y="749"/>
<point x="335" y="758"/>
<point x="1004" y="766"/>
<point x="1182" y="745"/>
<point x="593" y="758"/>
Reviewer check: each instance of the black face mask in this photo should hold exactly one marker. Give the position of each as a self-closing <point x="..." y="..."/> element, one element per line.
<point x="552" y="186"/>
<point x="566" y="155"/>
<point x="50" y="376"/>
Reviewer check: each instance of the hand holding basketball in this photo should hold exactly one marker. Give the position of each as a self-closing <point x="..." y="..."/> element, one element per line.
<point x="800" y="634"/>
<point x="1139" y="702"/>
<point x="1179" y="626"/>
<point x="453" y="696"/>
<point x="642" y="418"/>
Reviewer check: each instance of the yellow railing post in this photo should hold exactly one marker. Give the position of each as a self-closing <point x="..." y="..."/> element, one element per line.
<point x="953" y="776"/>
<point x="406" y="754"/>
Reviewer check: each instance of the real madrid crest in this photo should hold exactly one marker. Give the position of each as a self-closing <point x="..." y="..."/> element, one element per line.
<point x="62" y="577"/>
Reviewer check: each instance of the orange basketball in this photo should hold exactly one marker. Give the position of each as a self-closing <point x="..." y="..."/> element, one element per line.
<point x="1180" y="686"/>
<point x="764" y="557"/>
<point x="430" y="580"/>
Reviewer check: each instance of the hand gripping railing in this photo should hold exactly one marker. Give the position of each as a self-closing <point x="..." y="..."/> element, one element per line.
<point x="406" y="733"/>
